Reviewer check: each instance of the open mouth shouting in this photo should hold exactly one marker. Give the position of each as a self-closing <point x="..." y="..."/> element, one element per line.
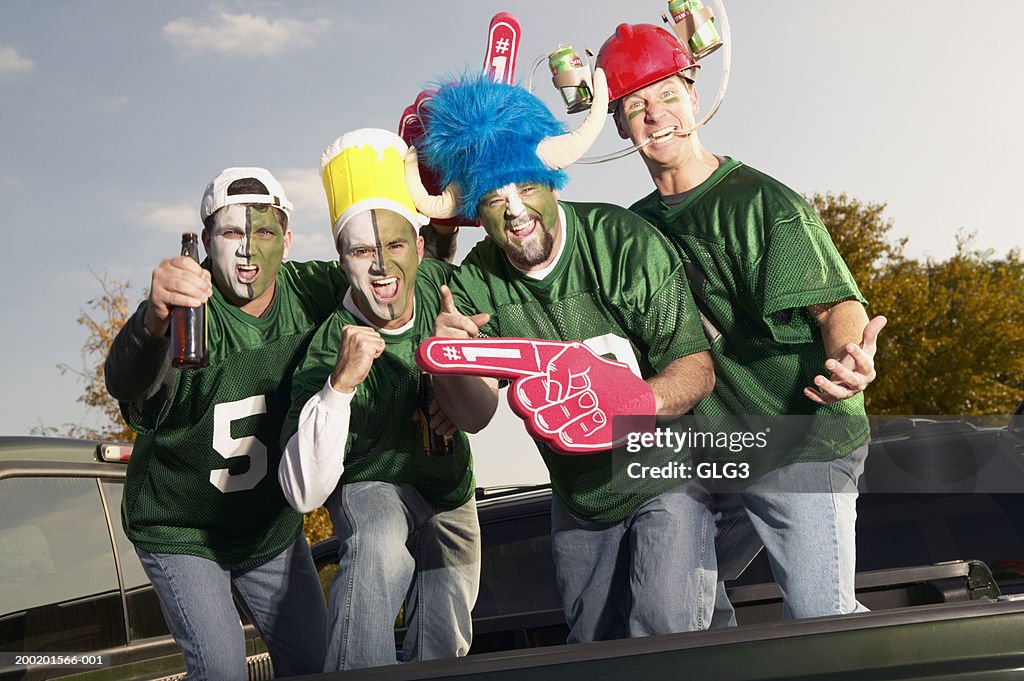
<point x="247" y="273"/>
<point x="385" y="290"/>
<point x="664" y="135"/>
<point x="521" y="227"/>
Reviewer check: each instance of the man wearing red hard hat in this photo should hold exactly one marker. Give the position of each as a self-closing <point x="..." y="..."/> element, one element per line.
<point x="779" y="306"/>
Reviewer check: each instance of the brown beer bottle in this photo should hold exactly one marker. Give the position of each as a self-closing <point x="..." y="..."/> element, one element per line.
<point x="433" y="444"/>
<point x="188" y="324"/>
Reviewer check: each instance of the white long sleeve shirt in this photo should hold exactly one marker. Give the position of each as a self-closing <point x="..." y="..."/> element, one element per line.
<point x="314" y="458"/>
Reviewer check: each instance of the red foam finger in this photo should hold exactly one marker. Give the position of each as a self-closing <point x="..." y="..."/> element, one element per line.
<point x="570" y="438"/>
<point x="502" y="48"/>
<point x="593" y="433"/>
<point x="581" y="423"/>
<point x="567" y="371"/>
<point x="533" y="392"/>
<point x="410" y="126"/>
<point x="494" y="357"/>
<point x="554" y="418"/>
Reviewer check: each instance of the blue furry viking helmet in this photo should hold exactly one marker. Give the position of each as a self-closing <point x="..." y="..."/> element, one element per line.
<point x="482" y="135"/>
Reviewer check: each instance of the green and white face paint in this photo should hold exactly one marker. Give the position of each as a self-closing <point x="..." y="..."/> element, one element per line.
<point x="655" y="116"/>
<point x="246" y="245"/>
<point x="523" y="220"/>
<point x="380" y="253"/>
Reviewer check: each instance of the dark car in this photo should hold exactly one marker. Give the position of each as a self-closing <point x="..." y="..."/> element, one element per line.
<point x="73" y="594"/>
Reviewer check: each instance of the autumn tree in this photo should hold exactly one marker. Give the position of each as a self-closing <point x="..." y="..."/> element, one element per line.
<point x="102" y="317"/>
<point x="954" y="344"/>
<point x="317" y="525"/>
<point x="861" y="233"/>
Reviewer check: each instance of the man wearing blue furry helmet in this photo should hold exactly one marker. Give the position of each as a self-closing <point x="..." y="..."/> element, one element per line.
<point x="630" y="561"/>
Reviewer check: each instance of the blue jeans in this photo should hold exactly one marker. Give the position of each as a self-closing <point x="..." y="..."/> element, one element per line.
<point x="398" y="549"/>
<point x="810" y="536"/>
<point x="281" y="597"/>
<point x="652" y="573"/>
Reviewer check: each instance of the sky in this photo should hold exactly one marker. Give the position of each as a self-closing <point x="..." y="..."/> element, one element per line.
<point x="116" y="114"/>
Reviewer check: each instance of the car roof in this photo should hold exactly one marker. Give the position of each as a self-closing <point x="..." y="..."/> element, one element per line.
<point x="50" y="449"/>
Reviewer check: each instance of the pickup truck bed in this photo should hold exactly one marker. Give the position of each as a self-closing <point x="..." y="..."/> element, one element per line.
<point x="944" y="621"/>
<point x="934" y="615"/>
<point x="959" y="640"/>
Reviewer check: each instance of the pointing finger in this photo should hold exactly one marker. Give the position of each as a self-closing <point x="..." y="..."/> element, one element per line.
<point x="495" y="357"/>
<point x="447" y="302"/>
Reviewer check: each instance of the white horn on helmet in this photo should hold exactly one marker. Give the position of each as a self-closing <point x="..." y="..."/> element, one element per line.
<point x="444" y="206"/>
<point x="564" y="150"/>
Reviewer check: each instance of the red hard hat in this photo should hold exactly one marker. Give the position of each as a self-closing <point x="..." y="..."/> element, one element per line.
<point x="638" y="55"/>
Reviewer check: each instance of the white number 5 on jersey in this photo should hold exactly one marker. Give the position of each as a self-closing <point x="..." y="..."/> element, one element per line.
<point x="229" y="448"/>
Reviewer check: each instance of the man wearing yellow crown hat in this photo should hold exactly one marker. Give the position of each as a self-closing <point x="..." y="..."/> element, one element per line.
<point x="401" y="498"/>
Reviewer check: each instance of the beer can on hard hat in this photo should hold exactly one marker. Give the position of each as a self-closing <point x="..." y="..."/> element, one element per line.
<point x="569" y="76"/>
<point x="695" y="26"/>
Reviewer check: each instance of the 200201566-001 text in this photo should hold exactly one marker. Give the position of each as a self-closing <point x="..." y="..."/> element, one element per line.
<point x="58" y="660"/>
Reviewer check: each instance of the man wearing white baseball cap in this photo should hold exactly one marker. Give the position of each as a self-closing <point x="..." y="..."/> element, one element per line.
<point x="202" y="503"/>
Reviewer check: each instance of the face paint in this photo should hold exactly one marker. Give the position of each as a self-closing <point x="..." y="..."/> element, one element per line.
<point x="523" y="220"/>
<point x="380" y="253"/>
<point x="657" y="113"/>
<point x="515" y="208"/>
<point x="246" y="245"/>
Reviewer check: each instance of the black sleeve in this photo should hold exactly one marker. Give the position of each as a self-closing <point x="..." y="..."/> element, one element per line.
<point x="138" y="365"/>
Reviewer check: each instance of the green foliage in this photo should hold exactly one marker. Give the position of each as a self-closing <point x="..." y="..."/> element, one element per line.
<point x="954" y="344"/>
<point x="317" y="525"/>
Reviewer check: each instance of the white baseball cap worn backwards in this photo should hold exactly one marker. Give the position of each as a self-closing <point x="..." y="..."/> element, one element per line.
<point x="216" y="195"/>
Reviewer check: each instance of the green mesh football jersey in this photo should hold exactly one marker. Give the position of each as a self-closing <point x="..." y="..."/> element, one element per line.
<point x="757" y="254"/>
<point x="620" y="288"/>
<point x="384" y="443"/>
<point x="202" y="479"/>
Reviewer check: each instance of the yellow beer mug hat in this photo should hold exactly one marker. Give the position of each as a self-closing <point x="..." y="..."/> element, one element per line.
<point x="363" y="170"/>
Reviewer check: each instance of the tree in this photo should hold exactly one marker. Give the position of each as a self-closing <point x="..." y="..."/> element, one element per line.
<point x="954" y="344"/>
<point x="102" y="317"/>
<point x="861" y="234"/>
<point x="317" y="525"/>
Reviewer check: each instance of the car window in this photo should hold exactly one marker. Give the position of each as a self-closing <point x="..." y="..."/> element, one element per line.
<point x="145" y="620"/>
<point x="58" y="581"/>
